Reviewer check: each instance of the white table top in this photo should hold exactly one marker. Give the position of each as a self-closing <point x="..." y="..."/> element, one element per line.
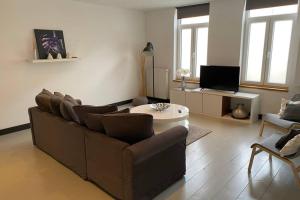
<point x="172" y="114"/>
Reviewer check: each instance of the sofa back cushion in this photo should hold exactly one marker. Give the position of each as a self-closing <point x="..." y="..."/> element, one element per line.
<point x="66" y="108"/>
<point x="130" y="128"/>
<point x="43" y="100"/>
<point x="94" y="121"/>
<point x="83" y="110"/>
<point x="55" y="102"/>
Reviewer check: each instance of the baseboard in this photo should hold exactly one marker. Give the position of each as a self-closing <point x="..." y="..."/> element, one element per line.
<point x="121" y="103"/>
<point x="14" y="129"/>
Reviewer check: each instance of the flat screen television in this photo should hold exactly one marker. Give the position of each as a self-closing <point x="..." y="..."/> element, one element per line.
<point x="220" y="77"/>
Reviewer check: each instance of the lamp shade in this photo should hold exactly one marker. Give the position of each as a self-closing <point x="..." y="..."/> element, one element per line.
<point x="148" y="50"/>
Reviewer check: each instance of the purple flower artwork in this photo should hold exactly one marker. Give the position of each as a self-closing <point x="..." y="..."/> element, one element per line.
<point x="50" y="41"/>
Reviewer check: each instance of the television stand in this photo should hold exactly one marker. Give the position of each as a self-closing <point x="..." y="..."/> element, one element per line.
<point x="218" y="104"/>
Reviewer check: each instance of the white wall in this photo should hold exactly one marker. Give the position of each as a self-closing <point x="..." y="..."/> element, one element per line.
<point x="225" y="32"/>
<point x="160" y="29"/>
<point x="224" y="45"/>
<point x="107" y="40"/>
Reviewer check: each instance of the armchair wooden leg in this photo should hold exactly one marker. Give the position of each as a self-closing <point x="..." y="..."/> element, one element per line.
<point x="262" y="126"/>
<point x="251" y="160"/>
<point x="296" y="174"/>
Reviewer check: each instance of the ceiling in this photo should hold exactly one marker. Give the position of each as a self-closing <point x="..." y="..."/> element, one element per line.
<point x="144" y="4"/>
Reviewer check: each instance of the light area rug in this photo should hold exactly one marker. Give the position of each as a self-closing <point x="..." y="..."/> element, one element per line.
<point x="195" y="133"/>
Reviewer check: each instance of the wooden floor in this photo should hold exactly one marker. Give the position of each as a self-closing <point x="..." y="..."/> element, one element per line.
<point x="216" y="169"/>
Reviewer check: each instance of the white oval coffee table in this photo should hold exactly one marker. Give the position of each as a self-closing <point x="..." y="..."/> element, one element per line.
<point x="171" y="117"/>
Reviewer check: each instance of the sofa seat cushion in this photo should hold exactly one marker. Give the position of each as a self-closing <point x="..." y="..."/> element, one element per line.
<point x="94" y="121"/>
<point x="130" y="128"/>
<point x="83" y="110"/>
<point x="275" y="119"/>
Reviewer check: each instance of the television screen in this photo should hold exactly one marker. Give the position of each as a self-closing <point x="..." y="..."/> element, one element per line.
<point x="220" y="77"/>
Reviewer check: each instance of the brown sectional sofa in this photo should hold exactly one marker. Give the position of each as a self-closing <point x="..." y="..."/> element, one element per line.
<point x="131" y="172"/>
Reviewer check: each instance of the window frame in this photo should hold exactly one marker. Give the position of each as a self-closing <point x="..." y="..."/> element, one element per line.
<point x="268" y="43"/>
<point x="194" y="40"/>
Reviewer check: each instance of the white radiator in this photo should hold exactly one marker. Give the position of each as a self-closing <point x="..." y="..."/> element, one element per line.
<point x="161" y="82"/>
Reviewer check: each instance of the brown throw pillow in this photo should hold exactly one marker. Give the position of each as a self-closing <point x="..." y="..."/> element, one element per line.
<point x="83" y="110"/>
<point x="130" y="128"/>
<point x="94" y="121"/>
<point x="43" y="100"/>
<point x="66" y="108"/>
<point x="284" y="139"/>
<point x="55" y="102"/>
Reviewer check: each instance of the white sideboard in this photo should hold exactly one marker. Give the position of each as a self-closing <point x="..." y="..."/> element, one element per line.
<point x="216" y="103"/>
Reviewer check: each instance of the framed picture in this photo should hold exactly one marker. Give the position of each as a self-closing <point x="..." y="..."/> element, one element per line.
<point x="50" y="41"/>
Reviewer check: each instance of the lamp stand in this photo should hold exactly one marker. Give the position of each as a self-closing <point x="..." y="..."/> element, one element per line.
<point x="153" y="76"/>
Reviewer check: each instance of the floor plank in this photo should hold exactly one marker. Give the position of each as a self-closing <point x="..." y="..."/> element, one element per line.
<point x="217" y="169"/>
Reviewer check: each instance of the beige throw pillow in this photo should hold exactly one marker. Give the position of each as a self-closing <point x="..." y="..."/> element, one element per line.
<point x="284" y="102"/>
<point x="291" y="147"/>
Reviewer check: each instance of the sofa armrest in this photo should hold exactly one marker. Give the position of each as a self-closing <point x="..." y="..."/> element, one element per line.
<point x="151" y="146"/>
<point x="154" y="164"/>
<point x="104" y="157"/>
<point x="30" y="110"/>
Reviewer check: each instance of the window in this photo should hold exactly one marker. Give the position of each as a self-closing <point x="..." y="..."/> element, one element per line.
<point x="267" y="42"/>
<point x="192" y="40"/>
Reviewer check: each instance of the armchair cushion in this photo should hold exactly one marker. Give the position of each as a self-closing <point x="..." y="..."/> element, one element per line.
<point x="292" y="112"/>
<point x="275" y="119"/>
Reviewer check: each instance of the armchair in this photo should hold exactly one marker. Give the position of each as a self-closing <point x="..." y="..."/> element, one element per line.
<point x="274" y="121"/>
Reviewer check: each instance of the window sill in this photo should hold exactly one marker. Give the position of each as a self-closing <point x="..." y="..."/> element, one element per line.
<point x="265" y="87"/>
<point x="244" y="85"/>
<point x="187" y="81"/>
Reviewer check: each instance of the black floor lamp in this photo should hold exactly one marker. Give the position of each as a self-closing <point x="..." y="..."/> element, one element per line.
<point x="149" y="51"/>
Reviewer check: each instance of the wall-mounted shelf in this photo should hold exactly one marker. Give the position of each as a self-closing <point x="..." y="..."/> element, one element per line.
<point x="54" y="60"/>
